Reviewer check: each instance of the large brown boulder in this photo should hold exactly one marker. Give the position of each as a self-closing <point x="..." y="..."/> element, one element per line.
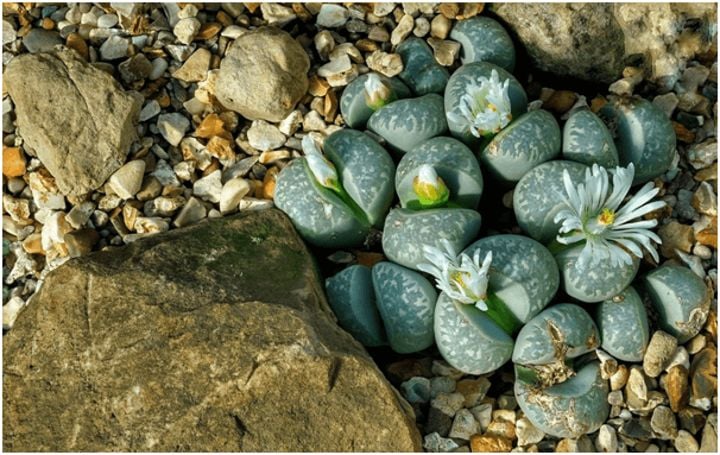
<point x="77" y="118"/>
<point x="216" y="337"/>
<point x="595" y="41"/>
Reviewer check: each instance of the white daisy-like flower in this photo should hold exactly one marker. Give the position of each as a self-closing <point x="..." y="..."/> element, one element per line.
<point x="462" y="278"/>
<point x="429" y="187"/>
<point x="323" y="170"/>
<point x="377" y="92"/>
<point x="610" y="231"/>
<point x="486" y="107"/>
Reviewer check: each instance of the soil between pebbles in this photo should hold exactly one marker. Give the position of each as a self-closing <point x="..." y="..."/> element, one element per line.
<point x="200" y="160"/>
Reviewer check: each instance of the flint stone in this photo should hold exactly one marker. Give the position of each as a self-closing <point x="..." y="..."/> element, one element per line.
<point x="263" y="75"/>
<point x="77" y="118"/>
<point x="177" y="342"/>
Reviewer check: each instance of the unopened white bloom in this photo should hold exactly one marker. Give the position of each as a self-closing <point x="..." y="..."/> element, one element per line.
<point x="486" y="107"/>
<point x="462" y="278"/>
<point x="610" y="231"/>
<point x="377" y="92"/>
<point x="429" y="187"/>
<point x="323" y="170"/>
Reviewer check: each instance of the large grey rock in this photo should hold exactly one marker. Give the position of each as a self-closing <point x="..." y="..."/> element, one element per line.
<point x="215" y="337"/>
<point x="263" y="75"/>
<point x="595" y="41"/>
<point x="77" y="118"/>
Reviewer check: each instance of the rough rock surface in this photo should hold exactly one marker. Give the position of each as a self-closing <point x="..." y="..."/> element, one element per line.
<point x="179" y="342"/>
<point x="595" y="42"/>
<point x="77" y="118"/>
<point x="263" y="75"/>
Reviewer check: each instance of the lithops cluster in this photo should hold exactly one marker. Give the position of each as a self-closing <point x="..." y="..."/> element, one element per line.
<point x="334" y="199"/>
<point x="460" y="138"/>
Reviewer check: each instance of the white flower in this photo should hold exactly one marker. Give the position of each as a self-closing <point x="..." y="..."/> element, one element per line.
<point x="377" y="92"/>
<point x="323" y="170"/>
<point x="461" y="278"/>
<point x="429" y="187"/>
<point x="486" y="107"/>
<point x="610" y="231"/>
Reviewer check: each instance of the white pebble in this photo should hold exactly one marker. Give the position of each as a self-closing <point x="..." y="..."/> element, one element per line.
<point x="150" y="110"/>
<point x="114" y="47"/>
<point x="264" y="136"/>
<point x="159" y="65"/>
<point x="332" y="16"/>
<point x="209" y="187"/>
<point x="232" y="193"/>
<point x="127" y="180"/>
<point x="10" y="311"/>
<point x="107" y="21"/>
<point x="186" y="29"/>
<point x="173" y="127"/>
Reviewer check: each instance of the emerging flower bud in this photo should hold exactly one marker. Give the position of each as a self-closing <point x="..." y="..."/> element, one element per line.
<point x="323" y="170"/>
<point x="377" y="92"/>
<point x="430" y="188"/>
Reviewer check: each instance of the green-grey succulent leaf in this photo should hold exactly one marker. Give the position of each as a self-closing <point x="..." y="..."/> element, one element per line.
<point x="539" y="196"/>
<point x="353" y="105"/>
<point x="421" y="72"/>
<point x="527" y="142"/>
<point x="623" y="324"/>
<point x="523" y="272"/>
<point x="453" y="162"/>
<point x="484" y="40"/>
<point x="644" y="136"/>
<point x="406" y="301"/>
<point x="405" y="124"/>
<point x="366" y="171"/>
<point x="319" y="215"/>
<point x="563" y="331"/>
<point x="681" y="299"/>
<point x="468" y="339"/>
<point x="587" y="140"/>
<point x="407" y="232"/>
<point x="352" y="298"/>
<point x="570" y="409"/>
<point x="593" y="282"/>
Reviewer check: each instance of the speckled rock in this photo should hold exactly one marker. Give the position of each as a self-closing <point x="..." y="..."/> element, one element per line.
<point x="81" y="137"/>
<point x="198" y="355"/>
<point x="263" y="75"/>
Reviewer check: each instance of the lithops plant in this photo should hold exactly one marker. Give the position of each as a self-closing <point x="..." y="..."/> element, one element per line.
<point x="610" y="235"/>
<point x="540" y="195"/>
<point x="531" y="139"/>
<point x="587" y="140"/>
<point x="480" y="100"/>
<point x="453" y="163"/>
<point x="421" y="72"/>
<point x="407" y="231"/>
<point x="546" y="343"/>
<point x="334" y="200"/>
<point x="623" y="324"/>
<point x="406" y="301"/>
<point x="386" y="305"/>
<point x="368" y="93"/>
<point x="483" y="39"/>
<point x="644" y="135"/>
<point x="482" y="305"/>
<point x="681" y="299"/>
<point x="569" y="409"/>
<point x="352" y="299"/>
<point x="406" y="123"/>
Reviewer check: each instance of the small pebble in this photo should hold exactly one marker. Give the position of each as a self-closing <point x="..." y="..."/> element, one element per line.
<point x="606" y="440"/>
<point x="685" y="442"/>
<point x="658" y="353"/>
<point x="173" y="127"/>
<point x="126" y="181"/>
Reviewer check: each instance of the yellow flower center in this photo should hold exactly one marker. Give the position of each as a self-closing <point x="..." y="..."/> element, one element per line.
<point x="607" y="217"/>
